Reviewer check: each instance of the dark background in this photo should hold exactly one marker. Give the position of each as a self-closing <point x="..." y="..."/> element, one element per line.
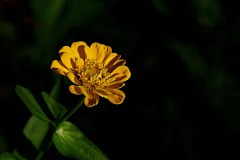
<point x="183" y="57"/>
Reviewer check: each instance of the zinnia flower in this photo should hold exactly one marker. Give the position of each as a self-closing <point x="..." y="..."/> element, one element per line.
<point x="95" y="70"/>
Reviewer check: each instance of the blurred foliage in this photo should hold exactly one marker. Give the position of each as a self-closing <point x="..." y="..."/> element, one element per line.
<point x="207" y="12"/>
<point x="3" y="143"/>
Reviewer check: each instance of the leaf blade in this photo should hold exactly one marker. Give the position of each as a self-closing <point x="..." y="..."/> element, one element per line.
<point x="35" y="131"/>
<point x="56" y="108"/>
<point x="71" y="142"/>
<point x="29" y="100"/>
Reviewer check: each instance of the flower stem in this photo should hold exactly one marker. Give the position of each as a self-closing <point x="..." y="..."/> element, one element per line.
<point x="69" y="113"/>
<point x="39" y="155"/>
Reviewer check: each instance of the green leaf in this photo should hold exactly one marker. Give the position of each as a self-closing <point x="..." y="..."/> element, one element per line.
<point x="18" y="155"/>
<point x="71" y="142"/>
<point x="56" y="108"/>
<point x="31" y="103"/>
<point x="7" y="156"/>
<point x="35" y="131"/>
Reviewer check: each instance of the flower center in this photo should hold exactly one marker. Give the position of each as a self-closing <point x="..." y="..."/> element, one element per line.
<point x="93" y="75"/>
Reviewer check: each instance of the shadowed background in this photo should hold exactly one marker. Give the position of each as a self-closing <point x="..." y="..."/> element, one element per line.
<point x="183" y="57"/>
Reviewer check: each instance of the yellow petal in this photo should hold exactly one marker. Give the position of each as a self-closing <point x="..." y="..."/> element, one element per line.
<point x="86" y="93"/>
<point x="80" y="49"/>
<point x="101" y="93"/>
<point x="79" y="63"/>
<point x="108" y="51"/>
<point x="121" y="62"/>
<point x="67" y="49"/>
<point x="91" y="102"/>
<point x="105" y="52"/>
<point x="67" y="61"/>
<point x="75" y="89"/>
<point x="95" y="51"/>
<point x="116" y="97"/>
<point x="111" y="60"/>
<point x="118" y="78"/>
<point x="56" y="65"/>
<point x="72" y="78"/>
<point x="59" y="71"/>
<point x="121" y="70"/>
<point x="115" y="85"/>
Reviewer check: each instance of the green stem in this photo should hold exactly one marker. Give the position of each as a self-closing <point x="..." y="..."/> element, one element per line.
<point x="55" y="90"/>
<point x="69" y="113"/>
<point x="39" y="155"/>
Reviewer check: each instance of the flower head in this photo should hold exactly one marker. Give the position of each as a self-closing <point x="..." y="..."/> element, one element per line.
<point x="95" y="70"/>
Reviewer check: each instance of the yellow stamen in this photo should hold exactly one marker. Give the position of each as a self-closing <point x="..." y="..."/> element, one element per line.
<point x="98" y="81"/>
<point x="85" y="72"/>
<point x="91" y="79"/>
<point x="99" y="75"/>
<point x="95" y="75"/>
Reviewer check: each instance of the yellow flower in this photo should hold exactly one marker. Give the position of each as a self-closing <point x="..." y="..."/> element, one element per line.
<point x="95" y="70"/>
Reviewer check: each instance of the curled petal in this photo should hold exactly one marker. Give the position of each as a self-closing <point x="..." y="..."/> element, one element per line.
<point x="121" y="70"/>
<point x="91" y="102"/>
<point x="67" y="49"/>
<point x="75" y="89"/>
<point x="72" y="78"/>
<point x="86" y="92"/>
<point x="111" y="60"/>
<point x="58" y="67"/>
<point x="80" y="49"/>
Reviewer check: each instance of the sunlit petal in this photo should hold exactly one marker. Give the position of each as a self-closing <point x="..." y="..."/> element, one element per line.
<point x="105" y="53"/>
<point x="95" y="51"/>
<point x="121" y="62"/>
<point x="67" y="49"/>
<point x="67" y="61"/>
<point x="58" y="65"/>
<point x="80" y="49"/>
<point x="121" y="70"/>
<point x="114" y="57"/>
